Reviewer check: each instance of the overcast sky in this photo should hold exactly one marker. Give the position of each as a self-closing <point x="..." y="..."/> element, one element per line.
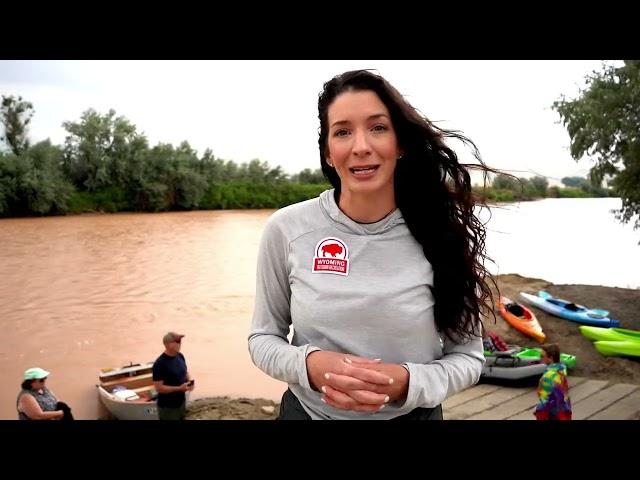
<point x="268" y="109"/>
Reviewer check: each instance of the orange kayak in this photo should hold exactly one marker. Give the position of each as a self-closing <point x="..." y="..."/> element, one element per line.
<point x="521" y="318"/>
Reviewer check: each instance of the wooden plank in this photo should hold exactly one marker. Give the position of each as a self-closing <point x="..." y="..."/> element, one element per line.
<point x="627" y="408"/>
<point x="511" y="407"/>
<point x="468" y="394"/>
<point x="523" y="404"/>
<point x="576" y="393"/>
<point x="586" y="389"/>
<point x="143" y="389"/>
<point x="524" y="415"/>
<point x="486" y="402"/>
<point x="452" y="415"/>
<point x="601" y="400"/>
<point x="130" y="382"/>
<point x="125" y="370"/>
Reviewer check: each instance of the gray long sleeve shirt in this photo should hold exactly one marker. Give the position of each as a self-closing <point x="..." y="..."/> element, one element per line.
<point x="354" y="288"/>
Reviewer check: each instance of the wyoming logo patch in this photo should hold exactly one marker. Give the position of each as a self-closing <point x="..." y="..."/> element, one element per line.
<point x="331" y="256"/>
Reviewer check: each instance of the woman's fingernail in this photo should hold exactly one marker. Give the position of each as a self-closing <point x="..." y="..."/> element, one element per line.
<point x="390" y="381"/>
<point x="324" y="389"/>
<point x="327" y="376"/>
<point x="381" y="407"/>
<point x="386" y="399"/>
<point x="348" y="360"/>
<point x="324" y="401"/>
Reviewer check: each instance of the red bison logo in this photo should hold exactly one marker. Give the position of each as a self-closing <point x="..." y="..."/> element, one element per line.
<point x="332" y="249"/>
<point x="331" y="256"/>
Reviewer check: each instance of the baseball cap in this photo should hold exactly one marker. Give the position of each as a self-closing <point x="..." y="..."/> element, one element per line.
<point x="35" y="374"/>
<point x="171" y="337"/>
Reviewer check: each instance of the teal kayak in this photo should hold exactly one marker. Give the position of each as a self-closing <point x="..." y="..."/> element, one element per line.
<point x="610" y="334"/>
<point x="535" y="354"/>
<point x="613" y="348"/>
<point x="565" y="309"/>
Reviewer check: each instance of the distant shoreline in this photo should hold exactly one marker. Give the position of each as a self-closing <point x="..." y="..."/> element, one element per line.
<point x="96" y="213"/>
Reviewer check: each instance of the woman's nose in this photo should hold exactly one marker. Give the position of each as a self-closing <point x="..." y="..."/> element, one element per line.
<point x="361" y="144"/>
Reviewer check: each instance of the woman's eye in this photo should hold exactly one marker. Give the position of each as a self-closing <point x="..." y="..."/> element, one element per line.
<point x="341" y="133"/>
<point x="379" y="128"/>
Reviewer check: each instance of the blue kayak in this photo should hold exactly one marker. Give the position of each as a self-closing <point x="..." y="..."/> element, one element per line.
<point x="570" y="311"/>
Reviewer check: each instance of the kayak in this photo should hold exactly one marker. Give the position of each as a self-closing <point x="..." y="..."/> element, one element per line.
<point x="611" y="334"/>
<point x="570" y="311"/>
<point x="508" y="367"/>
<point x="535" y="354"/>
<point x="521" y="318"/>
<point x="613" y="348"/>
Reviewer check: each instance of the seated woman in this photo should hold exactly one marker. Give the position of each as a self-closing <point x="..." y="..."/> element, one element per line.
<point x="35" y="401"/>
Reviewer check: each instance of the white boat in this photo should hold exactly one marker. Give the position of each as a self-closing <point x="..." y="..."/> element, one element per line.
<point x="128" y="393"/>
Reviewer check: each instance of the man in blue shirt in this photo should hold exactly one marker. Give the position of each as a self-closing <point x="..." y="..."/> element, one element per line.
<point x="171" y="379"/>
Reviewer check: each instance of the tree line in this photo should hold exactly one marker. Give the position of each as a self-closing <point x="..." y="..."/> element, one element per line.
<point x="508" y="188"/>
<point x="106" y="164"/>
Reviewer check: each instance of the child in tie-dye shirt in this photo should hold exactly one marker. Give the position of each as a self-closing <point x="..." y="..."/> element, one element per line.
<point x="553" y="388"/>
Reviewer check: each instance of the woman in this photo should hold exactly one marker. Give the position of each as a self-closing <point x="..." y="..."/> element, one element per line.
<point x="381" y="277"/>
<point x="35" y="401"/>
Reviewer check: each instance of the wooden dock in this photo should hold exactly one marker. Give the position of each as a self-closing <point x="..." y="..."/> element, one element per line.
<point x="590" y="399"/>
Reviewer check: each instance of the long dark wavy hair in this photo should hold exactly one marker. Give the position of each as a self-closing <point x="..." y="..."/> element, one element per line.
<point x="433" y="192"/>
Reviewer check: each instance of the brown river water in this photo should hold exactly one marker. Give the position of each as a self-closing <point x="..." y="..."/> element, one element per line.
<point x="81" y="293"/>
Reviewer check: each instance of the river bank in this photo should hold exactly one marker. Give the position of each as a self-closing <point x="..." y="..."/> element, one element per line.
<point x="623" y="303"/>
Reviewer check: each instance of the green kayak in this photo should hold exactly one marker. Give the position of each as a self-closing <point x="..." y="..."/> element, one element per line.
<point x="536" y="354"/>
<point x="610" y="334"/>
<point x="612" y="348"/>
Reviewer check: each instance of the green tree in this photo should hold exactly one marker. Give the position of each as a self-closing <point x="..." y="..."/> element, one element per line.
<point x="33" y="183"/>
<point x="575" y="182"/>
<point x="15" y="115"/>
<point x="187" y="184"/>
<point x="586" y="185"/>
<point x="540" y="185"/>
<point x="603" y="123"/>
<point x="506" y="182"/>
<point x="99" y="150"/>
<point x="260" y="172"/>
<point x="309" y="176"/>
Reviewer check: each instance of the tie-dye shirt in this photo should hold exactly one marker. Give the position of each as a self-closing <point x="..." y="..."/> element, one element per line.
<point x="553" y="392"/>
